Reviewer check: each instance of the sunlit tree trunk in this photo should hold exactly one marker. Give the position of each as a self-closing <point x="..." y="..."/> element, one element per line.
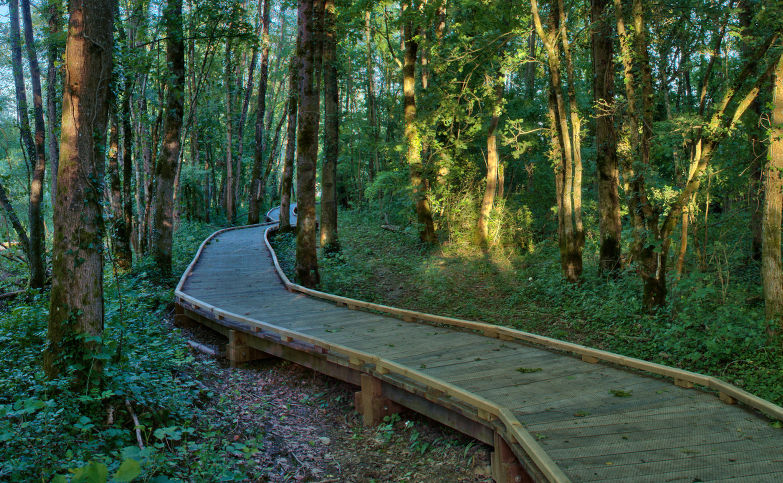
<point x="329" y="240"/>
<point x="605" y="138"/>
<point x="569" y="172"/>
<point x="488" y="201"/>
<point x="290" y="148"/>
<point x="76" y="301"/>
<point x="307" y="144"/>
<point x="771" y="269"/>
<point x="254" y="199"/>
<point x="412" y="134"/>
<point x="165" y="168"/>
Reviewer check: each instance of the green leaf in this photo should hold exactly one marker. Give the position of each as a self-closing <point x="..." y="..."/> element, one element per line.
<point x="128" y="471"/>
<point x="92" y="472"/>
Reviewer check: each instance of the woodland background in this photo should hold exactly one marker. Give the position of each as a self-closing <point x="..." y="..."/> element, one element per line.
<point x="606" y="172"/>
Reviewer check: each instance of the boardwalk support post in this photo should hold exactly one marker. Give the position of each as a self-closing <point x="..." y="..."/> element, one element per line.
<point x="181" y="320"/>
<point x="505" y="466"/>
<point x="371" y="403"/>
<point x="239" y="351"/>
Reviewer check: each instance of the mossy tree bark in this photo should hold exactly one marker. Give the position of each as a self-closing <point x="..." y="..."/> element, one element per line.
<point x="307" y="144"/>
<point x="605" y="138"/>
<point x="771" y="267"/>
<point x="52" y="83"/>
<point x="566" y="141"/>
<point x="412" y="134"/>
<point x="76" y="310"/>
<point x="165" y="168"/>
<point x="37" y="234"/>
<point x="329" y="240"/>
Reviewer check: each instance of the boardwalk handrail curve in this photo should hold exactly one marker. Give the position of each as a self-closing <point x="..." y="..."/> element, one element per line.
<point x="724" y="388"/>
<point x="485" y="409"/>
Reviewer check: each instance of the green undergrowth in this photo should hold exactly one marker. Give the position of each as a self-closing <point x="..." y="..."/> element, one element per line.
<point x="710" y="326"/>
<point x="47" y="431"/>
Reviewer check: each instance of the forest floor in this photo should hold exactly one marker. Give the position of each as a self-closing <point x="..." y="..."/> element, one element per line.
<point x="312" y="433"/>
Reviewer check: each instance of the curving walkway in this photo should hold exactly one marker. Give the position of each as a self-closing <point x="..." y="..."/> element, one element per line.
<point x="561" y="417"/>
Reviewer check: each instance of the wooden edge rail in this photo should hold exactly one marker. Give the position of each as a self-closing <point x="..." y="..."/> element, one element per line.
<point x="728" y="393"/>
<point x="486" y="409"/>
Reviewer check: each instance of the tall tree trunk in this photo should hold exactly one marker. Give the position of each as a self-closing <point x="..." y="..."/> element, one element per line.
<point x="771" y="269"/>
<point x="329" y="240"/>
<point x="167" y="162"/>
<point x="241" y="126"/>
<point x="52" y="91"/>
<point x="290" y="148"/>
<point x="254" y="198"/>
<point x="22" y="117"/>
<point x="757" y="146"/>
<point x="569" y="173"/>
<point x="228" y="192"/>
<point x="123" y="241"/>
<point x="115" y="193"/>
<point x="412" y="134"/>
<point x="37" y="232"/>
<point x="307" y="144"/>
<point x="605" y="138"/>
<point x="76" y="301"/>
<point x="372" y="115"/>
<point x="492" y="164"/>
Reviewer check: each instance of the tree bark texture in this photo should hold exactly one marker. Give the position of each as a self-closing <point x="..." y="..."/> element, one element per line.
<point x="329" y="240"/>
<point x="493" y="162"/>
<point x="290" y="148"/>
<point x="254" y="198"/>
<point x="52" y="92"/>
<point x="165" y="168"/>
<point x="605" y="138"/>
<point x="569" y="171"/>
<point x="412" y="134"/>
<point x="771" y="268"/>
<point x="307" y="145"/>
<point x="35" y="217"/>
<point x="228" y="192"/>
<point x="76" y="301"/>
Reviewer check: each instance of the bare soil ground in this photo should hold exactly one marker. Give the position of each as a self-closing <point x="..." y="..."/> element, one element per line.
<point x="310" y="431"/>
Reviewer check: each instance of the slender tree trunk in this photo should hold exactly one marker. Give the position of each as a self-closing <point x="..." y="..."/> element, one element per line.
<point x="10" y="213"/>
<point x="569" y="172"/>
<point x="52" y="91"/>
<point x="372" y="115"/>
<point x="254" y="198"/>
<point x="241" y="124"/>
<point x="290" y="148"/>
<point x="166" y="166"/>
<point x="76" y="301"/>
<point x="115" y="192"/>
<point x="492" y="164"/>
<point x="329" y="240"/>
<point x="605" y="139"/>
<point x="228" y="192"/>
<point x="771" y="268"/>
<point x="307" y="144"/>
<point x="37" y="231"/>
<point x="412" y="134"/>
<point x="123" y="241"/>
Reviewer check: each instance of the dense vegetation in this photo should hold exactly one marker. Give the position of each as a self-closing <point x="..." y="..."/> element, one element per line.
<point x="607" y="172"/>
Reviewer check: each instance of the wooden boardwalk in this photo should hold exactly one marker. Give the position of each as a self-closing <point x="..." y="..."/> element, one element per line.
<point x="552" y="414"/>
